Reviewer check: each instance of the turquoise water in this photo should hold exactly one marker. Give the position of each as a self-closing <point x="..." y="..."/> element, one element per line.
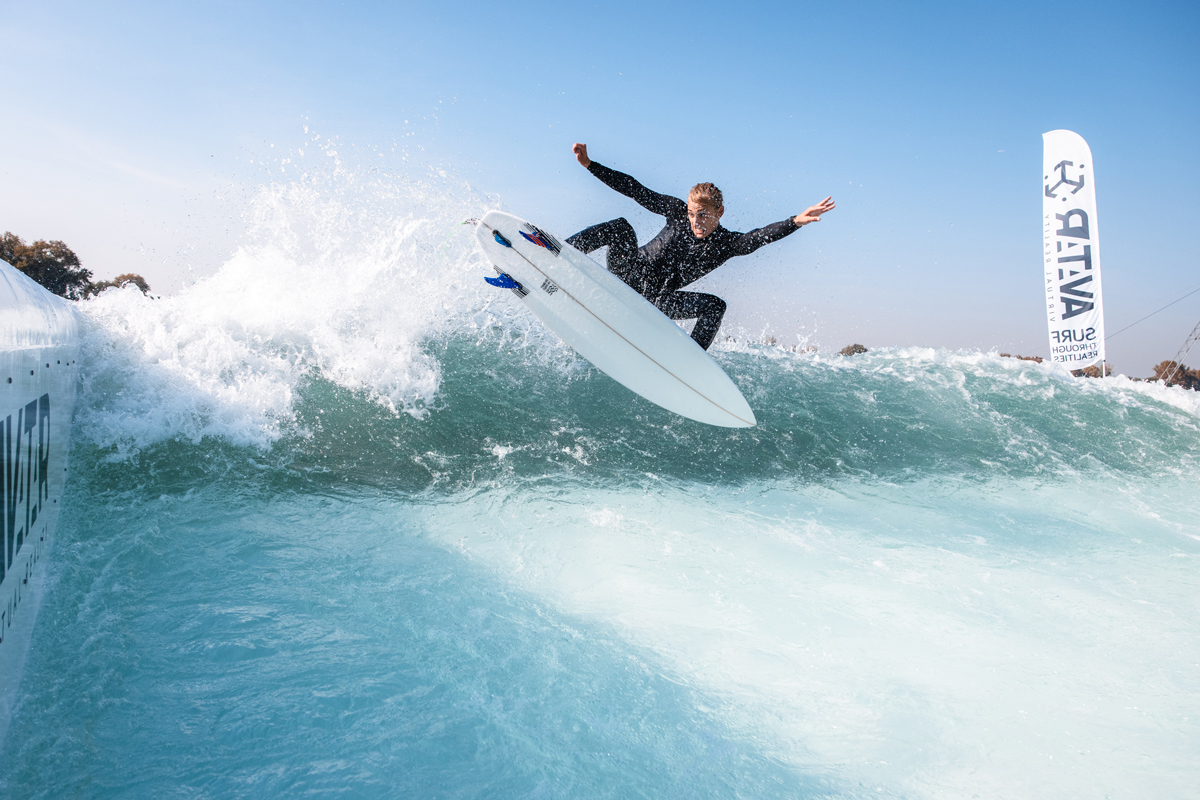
<point x="343" y="523"/>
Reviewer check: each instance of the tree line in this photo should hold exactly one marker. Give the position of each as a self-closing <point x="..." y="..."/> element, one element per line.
<point x="1187" y="378"/>
<point x="56" y="267"/>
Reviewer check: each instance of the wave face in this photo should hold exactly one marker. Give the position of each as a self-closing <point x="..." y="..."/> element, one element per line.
<point x="345" y="520"/>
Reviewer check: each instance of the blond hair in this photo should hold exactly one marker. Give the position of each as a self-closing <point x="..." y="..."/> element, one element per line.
<point x="706" y="194"/>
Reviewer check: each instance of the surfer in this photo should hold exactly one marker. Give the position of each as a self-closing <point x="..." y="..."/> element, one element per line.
<point x="692" y="244"/>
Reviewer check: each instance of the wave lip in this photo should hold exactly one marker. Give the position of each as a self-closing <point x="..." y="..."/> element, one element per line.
<point x="347" y="284"/>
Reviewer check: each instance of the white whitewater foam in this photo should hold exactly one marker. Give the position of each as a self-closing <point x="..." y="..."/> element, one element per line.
<point x="1005" y="641"/>
<point x="340" y="276"/>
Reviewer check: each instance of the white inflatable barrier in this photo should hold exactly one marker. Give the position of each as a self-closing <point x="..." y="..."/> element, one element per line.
<point x="39" y="345"/>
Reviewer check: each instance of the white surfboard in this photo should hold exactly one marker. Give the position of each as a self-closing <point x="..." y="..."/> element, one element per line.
<point x="610" y="324"/>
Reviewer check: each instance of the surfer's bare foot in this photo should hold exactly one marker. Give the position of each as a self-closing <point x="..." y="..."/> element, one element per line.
<point x="580" y="151"/>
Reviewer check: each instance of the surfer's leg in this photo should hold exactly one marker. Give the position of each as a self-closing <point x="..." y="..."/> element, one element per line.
<point x="706" y="309"/>
<point x="624" y="260"/>
<point x="620" y="237"/>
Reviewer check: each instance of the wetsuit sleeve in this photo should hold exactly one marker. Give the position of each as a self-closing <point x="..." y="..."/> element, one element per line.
<point x="662" y="204"/>
<point x="747" y="243"/>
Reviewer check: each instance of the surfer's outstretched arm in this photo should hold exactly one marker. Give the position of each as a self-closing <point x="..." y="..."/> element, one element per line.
<point x="661" y="204"/>
<point x="747" y="243"/>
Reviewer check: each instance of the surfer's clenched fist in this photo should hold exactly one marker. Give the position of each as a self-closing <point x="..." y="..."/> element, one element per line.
<point x="580" y="151"/>
<point x="813" y="213"/>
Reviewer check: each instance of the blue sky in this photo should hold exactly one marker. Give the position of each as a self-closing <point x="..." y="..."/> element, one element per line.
<point x="131" y="125"/>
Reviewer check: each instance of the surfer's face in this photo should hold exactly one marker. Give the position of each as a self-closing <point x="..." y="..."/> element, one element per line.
<point x="704" y="219"/>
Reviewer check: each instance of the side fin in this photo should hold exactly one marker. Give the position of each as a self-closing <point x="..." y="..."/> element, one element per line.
<point x="503" y="282"/>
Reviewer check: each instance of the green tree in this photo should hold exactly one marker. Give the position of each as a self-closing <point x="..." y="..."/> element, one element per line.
<point x="56" y="267"/>
<point x="52" y="264"/>
<point x="1187" y="378"/>
<point x="118" y="282"/>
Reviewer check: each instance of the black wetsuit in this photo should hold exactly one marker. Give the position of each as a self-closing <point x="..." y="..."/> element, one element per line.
<point x="675" y="257"/>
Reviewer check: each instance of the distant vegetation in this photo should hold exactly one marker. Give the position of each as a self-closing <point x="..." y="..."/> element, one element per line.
<point x="1187" y="378"/>
<point x="1092" y="372"/>
<point x="118" y="282"/>
<point x="52" y="264"/>
<point x="56" y="267"/>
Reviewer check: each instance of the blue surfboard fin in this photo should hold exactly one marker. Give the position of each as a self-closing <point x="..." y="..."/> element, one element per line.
<point x="503" y="282"/>
<point x="500" y="239"/>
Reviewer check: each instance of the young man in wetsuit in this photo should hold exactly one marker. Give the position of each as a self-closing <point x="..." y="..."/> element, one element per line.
<point x="692" y="244"/>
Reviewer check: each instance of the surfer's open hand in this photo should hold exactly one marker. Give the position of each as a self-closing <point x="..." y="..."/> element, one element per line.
<point x="580" y="151"/>
<point x="811" y="214"/>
